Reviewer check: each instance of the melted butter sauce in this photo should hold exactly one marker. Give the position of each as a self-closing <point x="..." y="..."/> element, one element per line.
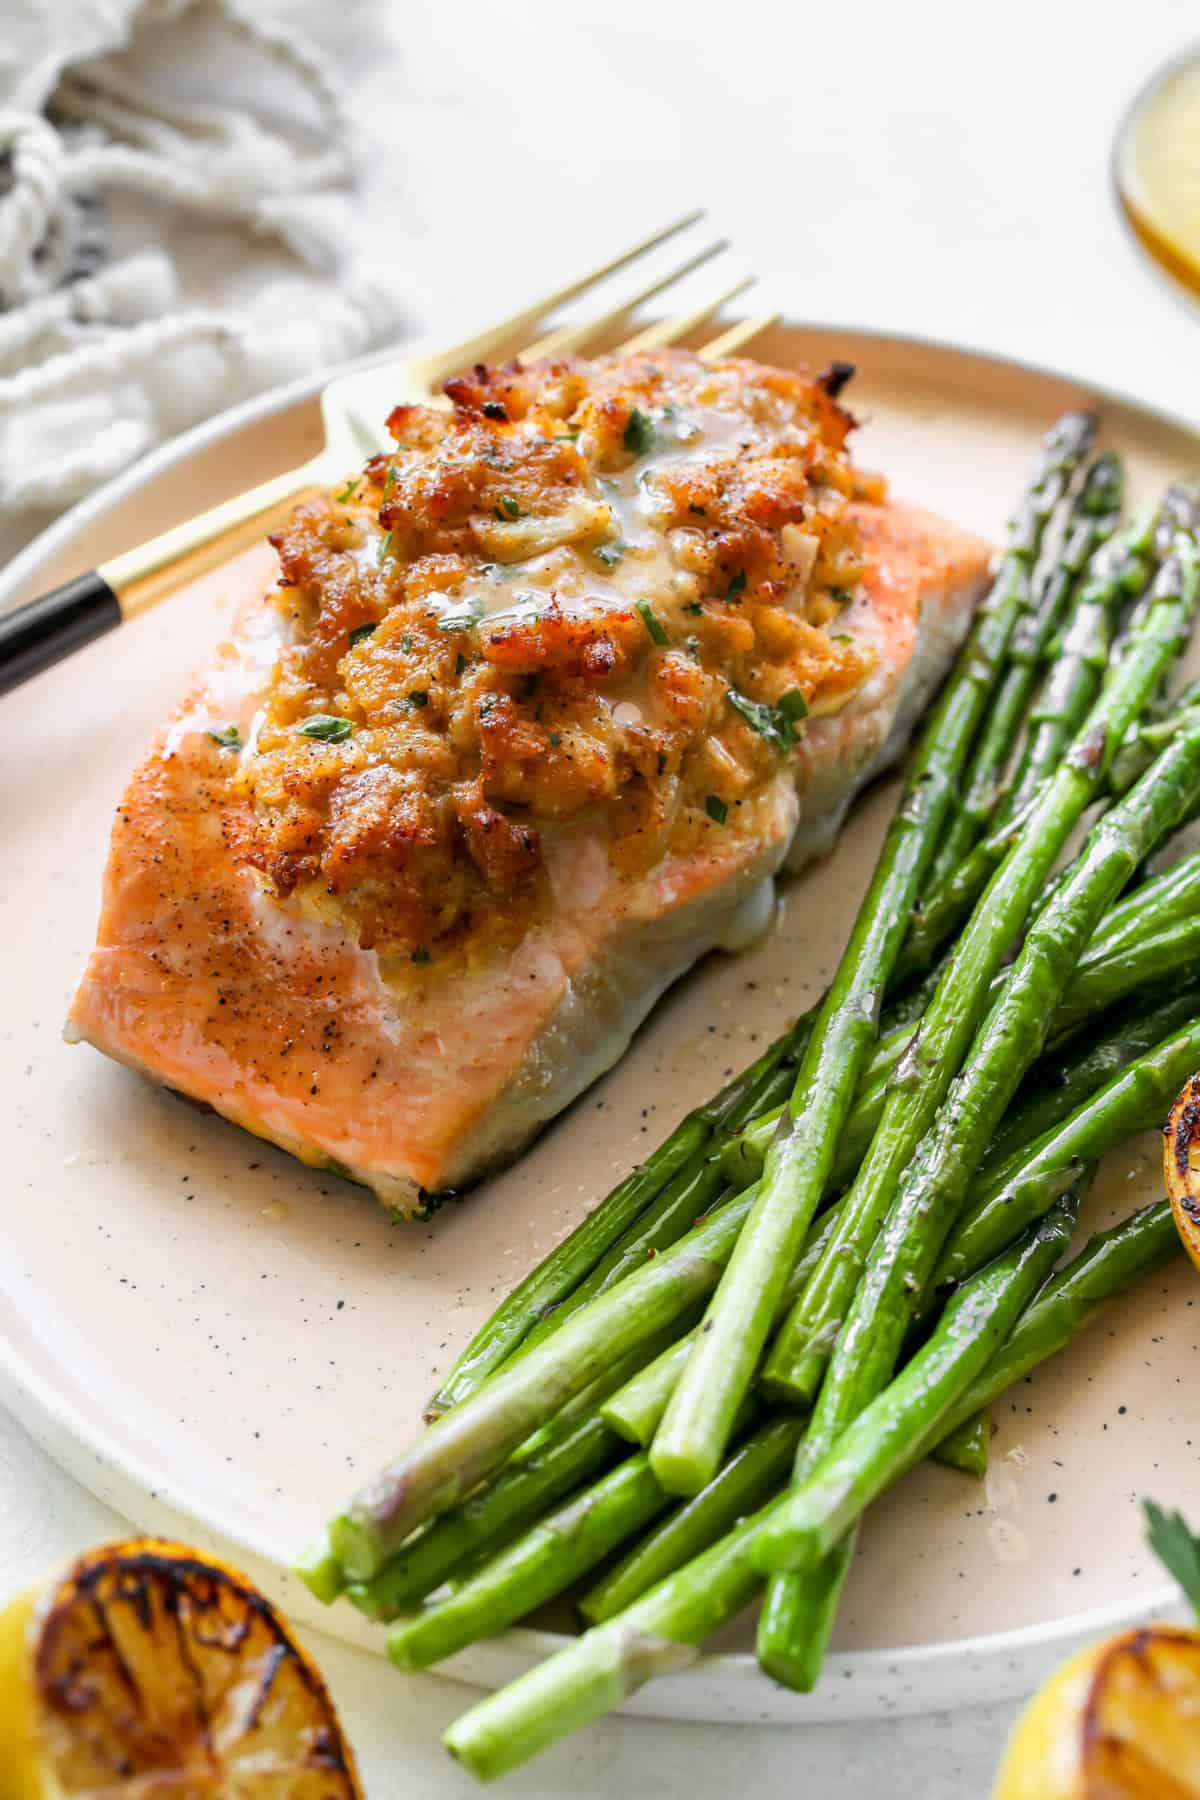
<point x="639" y="555"/>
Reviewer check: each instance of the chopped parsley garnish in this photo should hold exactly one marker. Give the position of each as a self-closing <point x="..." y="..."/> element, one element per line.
<point x="361" y="633"/>
<point x="229" y="737"/>
<point x="716" y="809"/>
<point x="700" y="511"/>
<point x="385" y="547"/>
<point x="419" y="697"/>
<point x="349" y="491"/>
<point x="460" y="663"/>
<point x="507" y="508"/>
<point x="406" y="642"/>
<point x="327" y="728"/>
<point x="639" y="434"/>
<point x="694" y="606"/>
<point x="389" y="481"/>
<point x="609" y="554"/>
<point x="555" y="740"/>
<point x="736" y="586"/>
<point x="463" y="619"/>
<point x="421" y="955"/>
<point x="841" y="637"/>
<point x="840" y="596"/>
<point x="776" y="724"/>
<point x="652" y="622"/>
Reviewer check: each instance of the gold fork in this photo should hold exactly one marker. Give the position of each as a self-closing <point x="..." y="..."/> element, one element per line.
<point x="47" y="629"/>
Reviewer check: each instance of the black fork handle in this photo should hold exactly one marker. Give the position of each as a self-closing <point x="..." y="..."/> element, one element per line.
<point x="47" y="629"/>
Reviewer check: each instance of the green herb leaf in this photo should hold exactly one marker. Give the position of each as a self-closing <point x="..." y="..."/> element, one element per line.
<point x="385" y="548"/>
<point x="736" y="586"/>
<point x="421" y="955"/>
<point x="777" y="724"/>
<point x="460" y="663"/>
<point x="464" y="618"/>
<point x="555" y="740"/>
<point x="639" y="434"/>
<point x="328" y="729"/>
<point x="609" y="554"/>
<point x="348" y="492"/>
<point x="361" y="633"/>
<point x="840" y="596"/>
<point x="1177" y="1548"/>
<point x="769" y="723"/>
<point x="652" y="622"/>
<point x="716" y="809"/>
<point x="419" y="697"/>
<point x="694" y="606"/>
<point x="507" y="508"/>
<point x="841" y="637"/>
<point x="229" y="737"/>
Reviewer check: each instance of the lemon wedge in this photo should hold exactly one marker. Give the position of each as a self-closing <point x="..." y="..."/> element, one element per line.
<point x="148" y="1671"/>
<point x="1120" y="1721"/>
<point x="1181" y="1166"/>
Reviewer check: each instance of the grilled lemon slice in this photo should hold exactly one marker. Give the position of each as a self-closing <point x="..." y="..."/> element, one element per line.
<point x="1120" y="1721"/>
<point x="1181" y="1165"/>
<point x="151" y="1672"/>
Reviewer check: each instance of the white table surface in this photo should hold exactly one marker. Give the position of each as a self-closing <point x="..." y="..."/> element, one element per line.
<point x="934" y="168"/>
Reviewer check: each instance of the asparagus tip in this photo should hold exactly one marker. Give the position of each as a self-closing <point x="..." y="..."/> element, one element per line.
<point x="320" y="1571"/>
<point x="790" y="1666"/>
<point x="353" y="1545"/>
<point x="683" y="1470"/>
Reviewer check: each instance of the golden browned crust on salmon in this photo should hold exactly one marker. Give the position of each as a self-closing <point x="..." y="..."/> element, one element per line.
<point x="541" y="704"/>
<point x="419" y="1076"/>
<point x="585" y="590"/>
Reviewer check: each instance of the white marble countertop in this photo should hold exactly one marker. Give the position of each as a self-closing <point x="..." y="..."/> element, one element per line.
<point x="929" y="168"/>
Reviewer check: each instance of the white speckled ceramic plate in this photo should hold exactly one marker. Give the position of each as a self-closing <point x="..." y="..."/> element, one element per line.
<point x="222" y="1343"/>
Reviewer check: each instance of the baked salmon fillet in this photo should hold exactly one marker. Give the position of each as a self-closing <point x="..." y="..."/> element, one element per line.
<point x="542" y="701"/>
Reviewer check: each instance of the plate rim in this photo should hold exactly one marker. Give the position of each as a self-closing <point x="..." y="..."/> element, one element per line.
<point x="28" y="1390"/>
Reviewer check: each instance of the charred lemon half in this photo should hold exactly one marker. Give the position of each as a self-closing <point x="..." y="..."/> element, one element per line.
<point x="151" y="1672"/>
<point x="1120" y="1721"/>
<point x="1181" y="1165"/>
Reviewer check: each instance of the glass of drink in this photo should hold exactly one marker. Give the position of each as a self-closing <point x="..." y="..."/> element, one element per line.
<point x="1156" y="168"/>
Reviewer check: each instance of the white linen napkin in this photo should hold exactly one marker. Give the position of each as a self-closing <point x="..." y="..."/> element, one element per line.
<point x="176" y="182"/>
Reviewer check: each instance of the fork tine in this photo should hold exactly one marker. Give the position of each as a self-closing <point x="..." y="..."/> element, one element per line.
<point x="731" y="341"/>
<point x="669" y="331"/>
<point x="573" y="337"/>
<point x="485" y="343"/>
